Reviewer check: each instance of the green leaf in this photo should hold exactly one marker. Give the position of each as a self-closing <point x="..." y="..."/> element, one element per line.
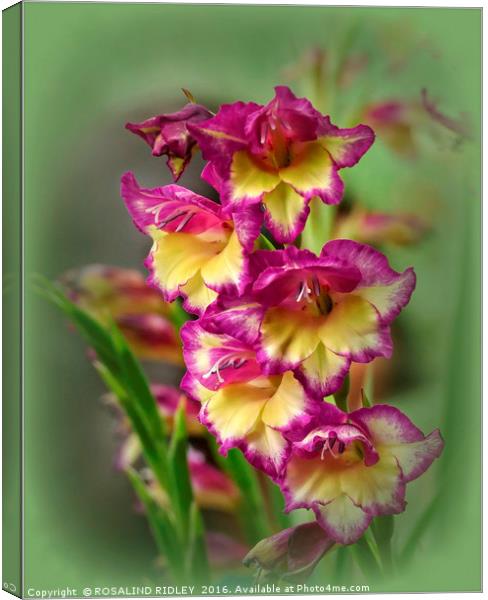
<point x="161" y="526"/>
<point x="367" y="555"/>
<point x="136" y="383"/>
<point x="152" y="455"/>
<point x="383" y="528"/>
<point x="182" y="493"/>
<point x="197" y="561"/>
<point x="252" y="510"/>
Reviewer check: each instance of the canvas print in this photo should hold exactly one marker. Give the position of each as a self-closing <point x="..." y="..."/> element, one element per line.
<point x="250" y="301"/>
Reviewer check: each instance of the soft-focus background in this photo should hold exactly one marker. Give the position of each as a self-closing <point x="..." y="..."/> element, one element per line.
<point x="89" y="68"/>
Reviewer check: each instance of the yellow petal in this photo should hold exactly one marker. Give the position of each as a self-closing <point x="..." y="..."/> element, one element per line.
<point x="313" y="480"/>
<point x="235" y="409"/>
<point x="284" y="206"/>
<point x="287" y="403"/>
<point x="322" y="366"/>
<point x="310" y="169"/>
<point x="226" y="267"/>
<point x="351" y="326"/>
<point x="198" y="294"/>
<point x="177" y="257"/>
<point x="250" y="179"/>
<point x="373" y="485"/>
<point x="267" y="442"/>
<point x="290" y="336"/>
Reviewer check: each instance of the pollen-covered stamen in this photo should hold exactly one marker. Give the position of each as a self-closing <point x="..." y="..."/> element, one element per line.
<point x="235" y="361"/>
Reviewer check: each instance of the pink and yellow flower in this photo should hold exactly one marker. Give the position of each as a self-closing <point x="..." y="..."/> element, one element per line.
<point x="349" y="468"/>
<point x="241" y="406"/>
<point x="168" y="134"/>
<point x="196" y="252"/>
<point x="278" y="157"/>
<point x="112" y="293"/>
<point x="321" y="313"/>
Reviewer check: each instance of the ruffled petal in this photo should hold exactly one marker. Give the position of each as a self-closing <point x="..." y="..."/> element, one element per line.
<point x="224" y="133"/>
<point x="234" y="415"/>
<point x="287" y="338"/>
<point x="238" y="317"/>
<point x="323" y="372"/>
<point x="176" y="258"/>
<point x="197" y="296"/>
<point x="378" y="489"/>
<point x="342" y="520"/>
<point x="266" y="449"/>
<point x="287" y="405"/>
<point x="247" y="223"/>
<point x="234" y="411"/>
<point x="313" y="173"/>
<point x="249" y="180"/>
<point x="194" y="389"/>
<point x="353" y="329"/>
<point x="308" y="481"/>
<point x="387" y="290"/>
<point x="415" y="458"/>
<point x="286" y="213"/>
<point x="346" y="146"/>
<point x="217" y="359"/>
<point x="392" y="432"/>
<point x="170" y="208"/>
<point x="228" y="271"/>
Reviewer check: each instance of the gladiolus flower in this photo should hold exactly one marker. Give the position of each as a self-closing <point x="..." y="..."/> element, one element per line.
<point x="111" y="293"/>
<point x="279" y="157"/>
<point x="349" y="468"/>
<point x="290" y="553"/>
<point x="196" y="252"/>
<point x="321" y="313"/>
<point x="241" y="406"/>
<point x="168" y="134"/>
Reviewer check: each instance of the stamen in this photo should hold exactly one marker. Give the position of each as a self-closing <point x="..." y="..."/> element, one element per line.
<point x="342" y="447"/>
<point x="316" y="285"/>
<point x="222" y="363"/>
<point x="184" y="221"/>
<point x="324" y="450"/>
<point x="156" y="211"/>
<point x="301" y="291"/>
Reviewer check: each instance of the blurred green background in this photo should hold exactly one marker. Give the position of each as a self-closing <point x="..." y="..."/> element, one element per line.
<point x="89" y="68"/>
